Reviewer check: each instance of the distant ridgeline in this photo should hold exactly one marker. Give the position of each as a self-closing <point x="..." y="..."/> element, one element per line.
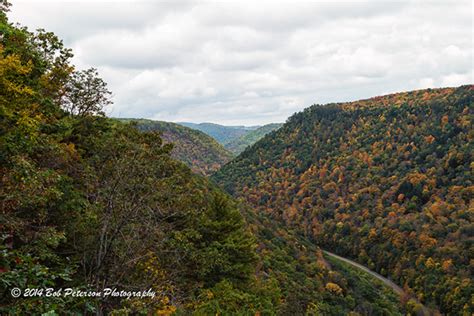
<point x="223" y="134"/>
<point x="234" y="138"/>
<point x="203" y="154"/>
<point x="386" y="181"/>
<point x="239" y="144"/>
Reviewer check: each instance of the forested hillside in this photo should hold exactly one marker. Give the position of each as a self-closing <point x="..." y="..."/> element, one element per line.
<point x="88" y="203"/>
<point x="197" y="150"/>
<point x="386" y="181"/>
<point x="234" y="138"/>
<point x="223" y="134"/>
<point x="238" y="145"/>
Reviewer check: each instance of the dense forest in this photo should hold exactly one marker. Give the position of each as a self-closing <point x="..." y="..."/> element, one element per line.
<point x="386" y="181"/>
<point x="89" y="202"/>
<point x="238" y="145"/>
<point x="200" y="152"/>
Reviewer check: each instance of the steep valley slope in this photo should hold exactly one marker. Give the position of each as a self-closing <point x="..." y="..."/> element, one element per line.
<point x="200" y="152"/>
<point x="386" y="181"/>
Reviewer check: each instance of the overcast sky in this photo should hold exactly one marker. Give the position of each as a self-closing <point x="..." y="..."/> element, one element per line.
<point x="256" y="62"/>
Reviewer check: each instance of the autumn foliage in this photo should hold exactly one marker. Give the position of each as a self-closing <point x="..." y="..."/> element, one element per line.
<point x="387" y="181"/>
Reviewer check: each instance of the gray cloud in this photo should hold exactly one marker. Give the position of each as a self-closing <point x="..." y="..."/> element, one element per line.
<point x="247" y="62"/>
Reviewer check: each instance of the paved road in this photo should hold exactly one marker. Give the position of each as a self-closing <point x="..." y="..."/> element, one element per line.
<point x="386" y="281"/>
<point x="395" y="287"/>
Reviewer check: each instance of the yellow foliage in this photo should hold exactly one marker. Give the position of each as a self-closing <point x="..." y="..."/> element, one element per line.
<point x="10" y="68"/>
<point x="334" y="288"/>
<point x="427" y="241"/>
<point x="416" y="177"/>
<point x="372" y="233"/>
<point x="209" y="295"/>
<point x="430" y="263"/>
<point x="166" y="310"/>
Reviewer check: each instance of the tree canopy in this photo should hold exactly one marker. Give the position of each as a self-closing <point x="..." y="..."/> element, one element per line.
<point x="387" y="181"/>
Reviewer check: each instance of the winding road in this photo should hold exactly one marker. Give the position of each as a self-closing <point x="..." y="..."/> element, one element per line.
<point x="395" y="287"/>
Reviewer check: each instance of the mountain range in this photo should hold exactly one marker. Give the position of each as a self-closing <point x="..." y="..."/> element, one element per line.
<point x="223" y="134"/>
<point x="91" y="203"/>
<point x="234" y="138"/>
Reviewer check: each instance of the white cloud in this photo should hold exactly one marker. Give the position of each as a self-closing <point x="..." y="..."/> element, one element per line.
<point x="248" y="62"/>
<point x="453" y="80"/>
